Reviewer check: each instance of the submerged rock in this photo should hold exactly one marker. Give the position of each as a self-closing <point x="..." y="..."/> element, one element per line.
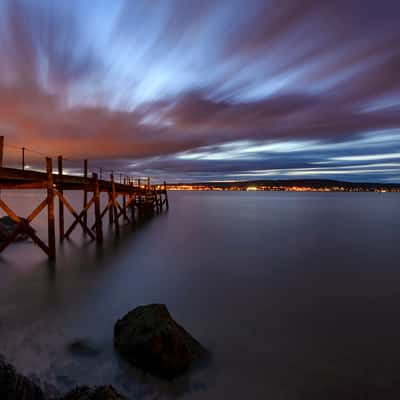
<point x="84" y="348"/>
<point x="7" y="228"/>
<point x="96" y="393"/>
<point x="14" y="386"/>
<point x="149" y="338"/>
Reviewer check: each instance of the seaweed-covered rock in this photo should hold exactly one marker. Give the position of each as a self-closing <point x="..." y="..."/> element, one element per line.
<point x="150" y="339"/>
<point x="14" y="386"/>
<point x="96" y="393"/>
<point x="7" y="228"/>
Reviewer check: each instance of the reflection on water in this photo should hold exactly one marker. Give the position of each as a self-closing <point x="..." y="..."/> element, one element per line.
<point x="295" y="294"/>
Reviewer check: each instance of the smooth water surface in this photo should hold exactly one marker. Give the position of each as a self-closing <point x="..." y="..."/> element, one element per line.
<point x="297" y="295"/>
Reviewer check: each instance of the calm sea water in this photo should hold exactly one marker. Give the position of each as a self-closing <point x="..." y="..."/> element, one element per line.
<point x="297" y="295"/>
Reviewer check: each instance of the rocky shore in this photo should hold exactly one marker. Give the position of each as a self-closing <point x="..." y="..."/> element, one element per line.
<point x="14" y="386"/>
<point x="147" y="337"/>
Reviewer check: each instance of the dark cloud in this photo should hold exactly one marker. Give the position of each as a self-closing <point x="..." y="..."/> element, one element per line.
<point x="147" y="81"/>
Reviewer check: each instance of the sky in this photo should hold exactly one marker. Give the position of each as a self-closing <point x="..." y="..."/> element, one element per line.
<point x="206" y="90"/>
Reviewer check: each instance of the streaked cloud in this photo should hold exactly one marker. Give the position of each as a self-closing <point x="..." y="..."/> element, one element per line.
<point x="205" y="90"/>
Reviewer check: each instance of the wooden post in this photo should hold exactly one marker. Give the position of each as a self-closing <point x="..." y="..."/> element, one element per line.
<point x="110" y="199"/>
<point x="166" y="195"/>
<point x="1" y="150"/>
<point x="139" y="203"/>
<point x="60" y="203"/>
<point x="124" y="205"/>
<point x="97" y="211"/>
<point x="50" y="209"/>
<point x="85" y="175"/>
<point x="132" y="207"/>
<point x="114" y="208"/>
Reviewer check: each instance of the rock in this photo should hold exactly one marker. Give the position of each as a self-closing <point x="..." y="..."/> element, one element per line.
<point x="7" y="227"/>
<point x="150" y="339"/>
<point x="97" y="393"/>
<point x="14" y="386"/>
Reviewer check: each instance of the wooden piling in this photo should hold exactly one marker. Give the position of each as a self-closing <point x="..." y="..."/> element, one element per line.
<point x="60" y="203"/>
<point x="124" y="205"/>
<point x="114" y="208"/>
<point x="23" y="159"/>
<point x="97" y="211"/>
<point x="50" y="209"/>
<point x="1" y="150"/>
<point x="166" y="195"/>
<point x="85" y="194"/>
<point x="111" y="201"/>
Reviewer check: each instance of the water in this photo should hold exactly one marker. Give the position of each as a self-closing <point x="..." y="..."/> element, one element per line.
<point x="295" y="294"/>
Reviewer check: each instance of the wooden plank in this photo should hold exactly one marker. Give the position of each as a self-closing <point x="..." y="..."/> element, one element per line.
<point x="23" y="185"/>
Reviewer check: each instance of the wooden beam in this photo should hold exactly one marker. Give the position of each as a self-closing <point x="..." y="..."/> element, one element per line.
<point x="23" y="185"/>
<point x="1" y="151"/>
<point x="85" y="198"/>
<point x="166" y="195"/>
<point x="124" y="205"/>
<point x="23" y="159"/>
<point x="37" y="211"/>
<point x="50" y="209"/>
<point x="23" y="225"/>
<point x="97" y="217"/>
<point x="114" y="205"/>
<point x="111" y="209"/>
<point x="78" y="218"/>
<point x="60" y="203"/>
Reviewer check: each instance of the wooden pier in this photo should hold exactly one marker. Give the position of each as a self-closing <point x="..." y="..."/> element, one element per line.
<point x="128" y="200"/>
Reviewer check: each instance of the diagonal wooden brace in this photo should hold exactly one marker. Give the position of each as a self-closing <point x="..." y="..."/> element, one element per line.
<point x="24" y="226"/>
<point x="109" y="204"/>
<point x="78" y="218"/>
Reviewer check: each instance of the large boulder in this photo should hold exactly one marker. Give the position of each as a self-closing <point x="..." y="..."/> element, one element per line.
<point x="7" y="228"/>
<point x="96" y="393"/>
<point x="150" y="339"/>
<point x="14" y="386"/>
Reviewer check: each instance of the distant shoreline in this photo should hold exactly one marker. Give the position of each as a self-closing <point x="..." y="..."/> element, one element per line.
<point x="304" y="185"/>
